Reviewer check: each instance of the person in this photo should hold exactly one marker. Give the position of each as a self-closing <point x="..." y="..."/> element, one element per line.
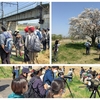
<point x="24" y="73"/>
<point x="50" y="74"/>
<point x="5" y="56"/>
<point x="26" y="52"/>
<point x="38" y="33"/>
<point x="81" y="72"/>
<point x="38" y="86"/>
<point x="18" y="43"/>
<point x="19" y="86"/>
<point x="56" y="90"/>
<point x="28" y="43"/>
<point x="16" y="70"/>
<point x="87" y="45"/>
<point x="55" y="49"/>
<point x="48" y="37"/>
<point x="70" y="75"/>
<point x="44" y="39"/>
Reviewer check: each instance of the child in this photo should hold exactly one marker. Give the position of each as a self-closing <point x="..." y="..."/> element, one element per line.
<point x="55" y="49"/>
<point x="19" y="86"/>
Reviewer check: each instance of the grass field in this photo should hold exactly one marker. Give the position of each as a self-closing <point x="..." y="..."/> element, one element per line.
<point x="5" y="72"/>
<point x="20" y="59"/>
<point x="73" y="52"/>
<point x="78" y="89"/>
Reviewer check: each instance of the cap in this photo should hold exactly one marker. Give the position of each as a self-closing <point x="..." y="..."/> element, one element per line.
<point x="26" y="29"/>
<point x="37" y="68"/>
<point x="31" y="28"/>
<point x="25" y="70"/>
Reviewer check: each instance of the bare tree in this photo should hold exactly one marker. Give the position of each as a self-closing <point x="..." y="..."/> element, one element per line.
<point x="87" y="23"/>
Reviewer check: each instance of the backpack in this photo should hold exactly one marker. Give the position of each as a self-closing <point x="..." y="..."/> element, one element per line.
<point x="39" y="35"/>
<point x="36" y="45"/>
<point x="31" y="93"/>
<point x="8" y="43"/>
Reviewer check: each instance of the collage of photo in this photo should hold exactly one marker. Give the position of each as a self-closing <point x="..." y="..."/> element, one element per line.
<point x="50" y="50"/>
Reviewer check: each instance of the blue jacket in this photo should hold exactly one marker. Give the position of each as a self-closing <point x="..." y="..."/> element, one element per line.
<point x="48" y="77"/>
<point x="13" y="95"/>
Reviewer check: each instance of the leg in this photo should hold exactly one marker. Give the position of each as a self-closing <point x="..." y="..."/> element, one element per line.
<point x="30" y="57"/>
<point x="3" y="57"/>
<point x="8" y="58"/>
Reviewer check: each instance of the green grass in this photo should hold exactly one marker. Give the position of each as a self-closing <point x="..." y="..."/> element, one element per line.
<point x="5" y="72"/>
<point x="74" y="53"/>
<point x="78" y="89"/>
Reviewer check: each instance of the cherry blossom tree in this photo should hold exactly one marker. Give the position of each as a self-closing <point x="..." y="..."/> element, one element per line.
<point x="87" y="23"/>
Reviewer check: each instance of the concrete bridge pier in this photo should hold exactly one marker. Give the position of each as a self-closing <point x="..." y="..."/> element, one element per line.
<point x="12" y="26"/>
<point x="46" y="19"/>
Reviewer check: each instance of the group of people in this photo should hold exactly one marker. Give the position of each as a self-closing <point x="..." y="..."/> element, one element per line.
<point x="31" y="42"/>
<point x="86" y="75"/>
<point x="43" y="83"/>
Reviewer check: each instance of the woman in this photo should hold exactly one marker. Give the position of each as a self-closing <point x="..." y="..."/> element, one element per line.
<point x="56" y="90"/>
<point x="19" y="86"/>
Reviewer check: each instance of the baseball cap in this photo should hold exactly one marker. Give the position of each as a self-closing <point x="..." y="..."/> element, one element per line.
<point x="25" y="70"/>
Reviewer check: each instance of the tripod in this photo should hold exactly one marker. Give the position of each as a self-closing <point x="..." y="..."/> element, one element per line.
<point x="95" y="90"/>
<point x="69" y="89"/>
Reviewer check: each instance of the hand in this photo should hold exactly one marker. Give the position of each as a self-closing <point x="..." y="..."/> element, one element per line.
<point x="46" y="86"/>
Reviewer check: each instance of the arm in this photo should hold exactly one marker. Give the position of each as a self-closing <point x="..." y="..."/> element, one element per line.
<point x="50" y="76"/>
<point x="41" y="88"/>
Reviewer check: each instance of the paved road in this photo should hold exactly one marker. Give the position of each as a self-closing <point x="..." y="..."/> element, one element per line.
<point x="5" y="88"/>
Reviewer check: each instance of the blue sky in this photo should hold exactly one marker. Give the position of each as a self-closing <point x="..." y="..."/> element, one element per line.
<point x="63" y="11"/>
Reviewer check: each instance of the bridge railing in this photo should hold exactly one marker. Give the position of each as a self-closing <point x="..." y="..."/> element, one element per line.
<point x="30" y="6"/>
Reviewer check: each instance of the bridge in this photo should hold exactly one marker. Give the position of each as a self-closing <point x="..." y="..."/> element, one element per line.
<point x="40" y="12"/>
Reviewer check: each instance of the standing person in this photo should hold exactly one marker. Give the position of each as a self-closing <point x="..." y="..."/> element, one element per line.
<point x="5" y="55"/>
<point x="16" y="70"/>
<point x="38" y="32"/>
<point x="50" y="74"/>
<point x="87" y="45"/>
<point x="48" y="38"/>
<point x="70" y="75"/>
<point x="38" y="86"/>
<point x="19" y="86"/>
<point x="19" y="44"/>
<point x="56" y="90"/>
<point x="81" y="72"/>
<point x="29" y="42"/>
<point x="24" y="73"/>
<point x="26" y="52"/>
<point x="44" y="39"/>
<point x="55" y="49"/>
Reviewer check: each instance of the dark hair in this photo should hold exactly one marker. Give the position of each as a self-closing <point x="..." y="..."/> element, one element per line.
<point x="18" y="84"/>
<point x="57" y="41"/>
<point x="37" y="72"/>
<point x="56" y="86"/>
<point x="3" y="28"/>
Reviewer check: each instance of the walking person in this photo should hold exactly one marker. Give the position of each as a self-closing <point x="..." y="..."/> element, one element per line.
<point x="5" y="55"/>
<point x="87" y="45"/>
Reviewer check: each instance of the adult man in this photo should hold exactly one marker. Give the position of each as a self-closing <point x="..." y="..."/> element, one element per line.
<point x="49" y="74"/>
<point x="24" y="73"/>
<point x="5" y="56"/>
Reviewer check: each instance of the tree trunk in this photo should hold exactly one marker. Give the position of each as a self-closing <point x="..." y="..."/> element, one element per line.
<point x="93" y="40"/>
